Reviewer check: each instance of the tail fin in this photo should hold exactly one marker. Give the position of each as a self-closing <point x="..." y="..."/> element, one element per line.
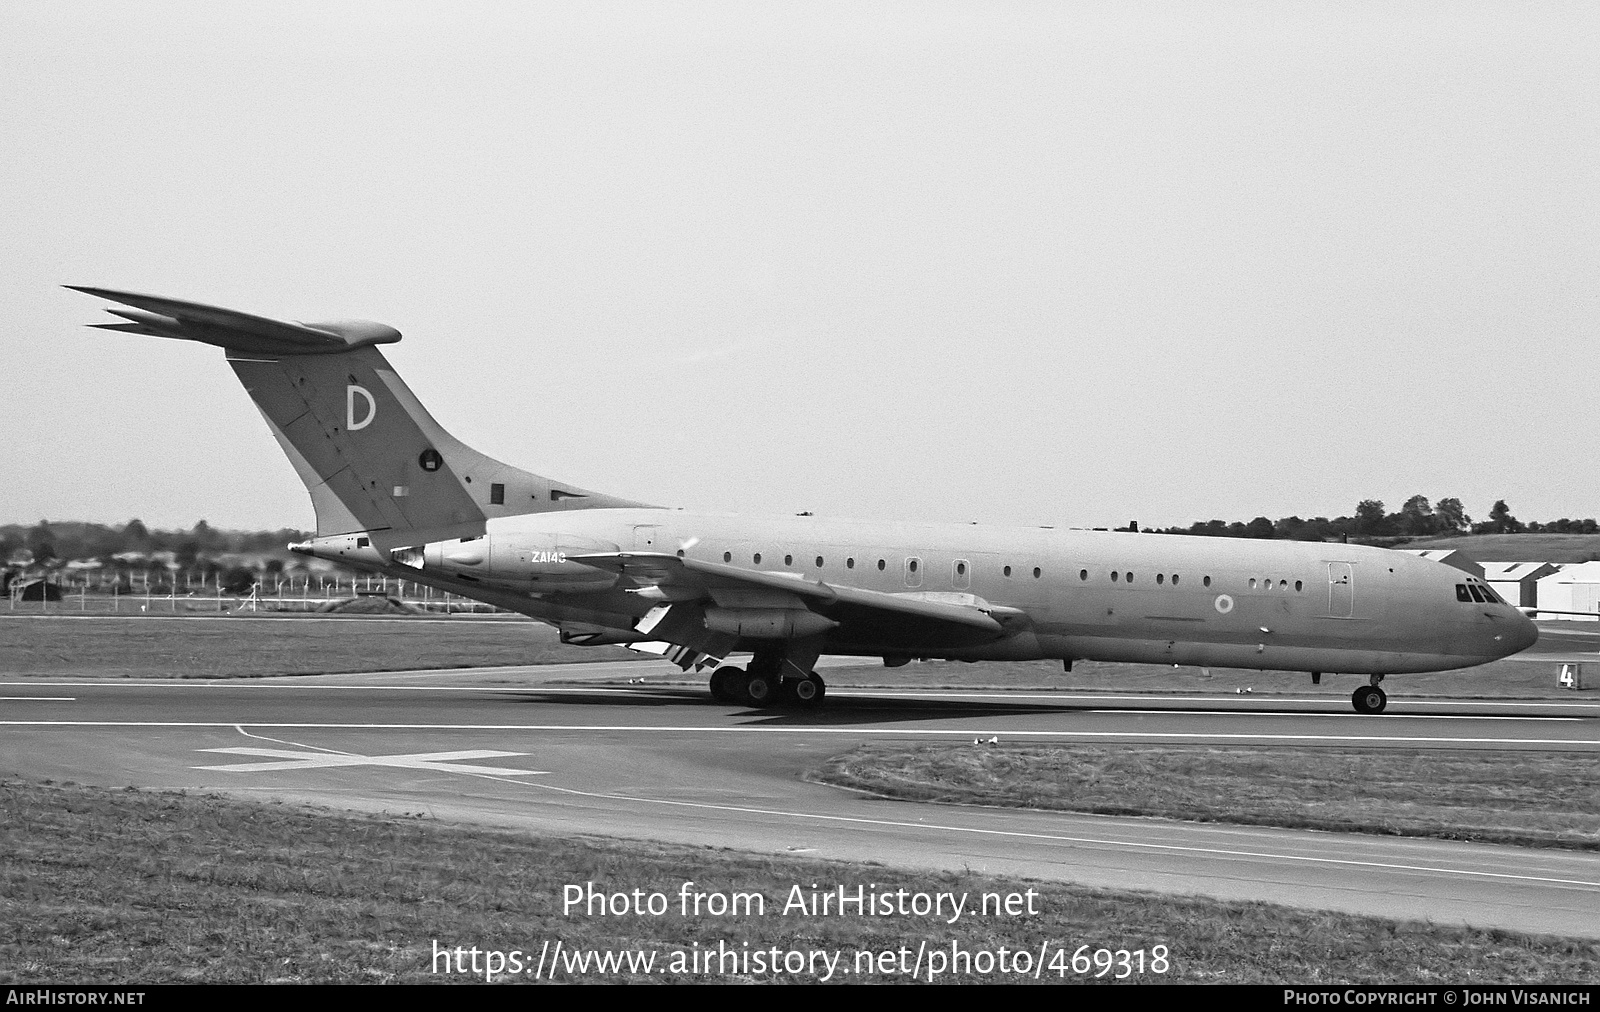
<point x="369" y="453"/>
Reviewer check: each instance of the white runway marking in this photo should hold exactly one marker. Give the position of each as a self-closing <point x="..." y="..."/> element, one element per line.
<point x="41" y="699"/>
<point x="290" y="759"/>
<point x="217" y="617"/>
<point x="566" y="687"/>
<point x="1157" y="697"/>
<point x="859" y="731"/>
<point x="1331" y="716"/>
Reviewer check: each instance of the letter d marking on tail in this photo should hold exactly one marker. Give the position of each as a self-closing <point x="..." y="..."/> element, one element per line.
<point x="351" y="392"/>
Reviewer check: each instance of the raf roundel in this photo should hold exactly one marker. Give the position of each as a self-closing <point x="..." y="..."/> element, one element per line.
<point x="1224" y="604"/>
<point x="429" y="460"/>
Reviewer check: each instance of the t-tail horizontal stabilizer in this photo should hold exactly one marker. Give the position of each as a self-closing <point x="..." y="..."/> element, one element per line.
<point x="235" y="331"/>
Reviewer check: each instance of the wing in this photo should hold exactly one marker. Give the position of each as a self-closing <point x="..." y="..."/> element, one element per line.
<point x="698" y="595"/>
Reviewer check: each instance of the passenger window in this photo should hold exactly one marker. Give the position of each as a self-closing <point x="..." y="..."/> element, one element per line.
<point x="1035" y="572"/>
<point x="880" y="565"/>
<point x="1160" y="579"/>
<point x="757" y="558"/>
<point x="788" y="560"/>
<point x="819" y="562"/>
<point x="1083" y="574"/>
<point x="1008" y="570"/>
<point x="850" y="563"/>
<point x="1174" y="579"/>
<point x="727" y="556"/>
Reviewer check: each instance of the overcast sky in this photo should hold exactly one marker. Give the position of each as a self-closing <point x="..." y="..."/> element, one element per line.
<point x="1014" y="263"/>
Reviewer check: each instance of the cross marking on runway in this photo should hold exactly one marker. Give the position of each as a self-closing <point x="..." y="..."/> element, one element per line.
<point x="289" y="759"/>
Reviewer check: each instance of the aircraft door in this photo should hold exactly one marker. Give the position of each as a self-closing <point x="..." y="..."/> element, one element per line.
<point x="1341" y="590"/>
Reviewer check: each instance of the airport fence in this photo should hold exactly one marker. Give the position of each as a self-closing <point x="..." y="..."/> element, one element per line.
<point x="92" y="593"/>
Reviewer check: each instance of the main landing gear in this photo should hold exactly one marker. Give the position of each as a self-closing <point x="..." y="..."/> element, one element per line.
<point x="761" y="686"/>
<point x="1370" y="698"/>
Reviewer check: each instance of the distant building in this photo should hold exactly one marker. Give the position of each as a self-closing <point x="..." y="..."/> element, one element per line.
<point x="40" y="590"/>
<point x="1575" y="588"/>
<point x="1450" y="557"/>
<point x="1518" y="582"/>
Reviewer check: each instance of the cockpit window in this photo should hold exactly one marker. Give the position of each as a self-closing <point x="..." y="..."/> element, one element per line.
<point x="1477" y="595"/>
<point x="1461" y="593"/>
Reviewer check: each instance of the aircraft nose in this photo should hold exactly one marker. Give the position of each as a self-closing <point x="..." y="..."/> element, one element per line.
<point x="1522" y="635"/>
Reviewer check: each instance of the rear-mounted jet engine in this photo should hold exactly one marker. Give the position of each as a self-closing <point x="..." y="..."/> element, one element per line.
<point x="531" y="563"/>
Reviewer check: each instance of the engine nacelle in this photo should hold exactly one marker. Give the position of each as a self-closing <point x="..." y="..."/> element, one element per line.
<point x="531" y="563"/>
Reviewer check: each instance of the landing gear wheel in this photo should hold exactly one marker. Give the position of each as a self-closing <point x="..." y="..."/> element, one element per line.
<point x="1369" y="699"/>
<point x="760" y="689"/>
<point x="727" y="682"/>
<point x="804" y="692"/>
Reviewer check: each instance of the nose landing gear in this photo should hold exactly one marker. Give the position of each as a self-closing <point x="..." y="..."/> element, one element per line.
<point x="1370" y="698"/>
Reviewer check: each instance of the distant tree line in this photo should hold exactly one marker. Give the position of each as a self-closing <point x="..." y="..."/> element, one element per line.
<point x="65" y="540"/>
<point x="1418" y="518"/>
<point x="195" y="547"/>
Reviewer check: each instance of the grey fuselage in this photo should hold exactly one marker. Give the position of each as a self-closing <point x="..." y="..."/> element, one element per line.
<point x="1082" y="595"/>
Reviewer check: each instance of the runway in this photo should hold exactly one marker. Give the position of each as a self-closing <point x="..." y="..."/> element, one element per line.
<point x="576" y="749"/>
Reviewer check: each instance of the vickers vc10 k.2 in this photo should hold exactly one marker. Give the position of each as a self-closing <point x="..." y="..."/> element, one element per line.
<point x="394" y="493"/>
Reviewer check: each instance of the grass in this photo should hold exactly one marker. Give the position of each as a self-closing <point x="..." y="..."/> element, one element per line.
<point x="101" y="886"/>
<point x="1539" y="799"/>
<point x="245" y="647"/>
<point x="1518" y="547"/>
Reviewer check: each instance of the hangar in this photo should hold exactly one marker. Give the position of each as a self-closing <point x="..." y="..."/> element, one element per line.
<point x="1576" y="588"/>
<point x="1518" y="582"/>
